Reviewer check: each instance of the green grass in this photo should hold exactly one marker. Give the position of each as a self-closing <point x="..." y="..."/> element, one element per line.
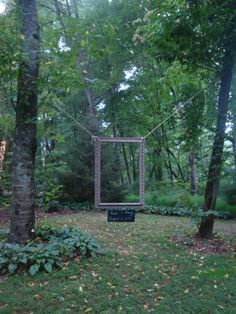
<point x="141" y="272"/>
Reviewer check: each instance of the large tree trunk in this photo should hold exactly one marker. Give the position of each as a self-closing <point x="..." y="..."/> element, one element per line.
<point x="22" y="214"/>
<point x="206" y="226"/>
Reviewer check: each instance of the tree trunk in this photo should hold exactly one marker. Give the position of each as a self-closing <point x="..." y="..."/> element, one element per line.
<point x="68" y="8"/>
<point x="3" y="146"/>
<point x="168" y="160"/>
<point x="117" y="149"/>
<point x="233" y="110"/>
<point x="211" y="190"/>
<point x="126" y="163"/>
<point x="193" y="178"/>
<point x="91" y="108"/>
<point x="132" y="155"/>
<point x="234" y="153"/>
<point x="234" y="142"/>
<point x="177" y="163"/>
<point x="76" y="8"/>
<point x="22" y="214"/>
<point x="58" y="12"/>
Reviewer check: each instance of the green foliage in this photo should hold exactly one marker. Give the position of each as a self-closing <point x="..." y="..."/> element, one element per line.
<point x="183" y="212"/>
<point x="52" y="193"/>
<point x="197" y="215"/>
<point x="166" y="211"/>
<point x="188" y="31"/>
<point x="3" y="234"/>
<point x="52" y="206"/>
<point x="49" y="199"/>
<point x="229" y="192"/>
<point x="48" y="251"/>
<point x="4" y="201"/>
<point x="73" y="205"/>
<point x="180" y="198"/>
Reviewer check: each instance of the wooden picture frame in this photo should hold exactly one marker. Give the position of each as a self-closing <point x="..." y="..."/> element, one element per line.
<point x="126" y="140"/>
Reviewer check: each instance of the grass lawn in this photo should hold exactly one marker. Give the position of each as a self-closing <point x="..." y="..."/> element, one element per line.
<point x="141" y="272"/>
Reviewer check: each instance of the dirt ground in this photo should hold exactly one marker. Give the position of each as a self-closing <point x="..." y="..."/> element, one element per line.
<point x="40" y="214"/>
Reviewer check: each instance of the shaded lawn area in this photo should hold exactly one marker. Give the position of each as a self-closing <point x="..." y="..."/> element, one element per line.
<point x="141" y="272"/>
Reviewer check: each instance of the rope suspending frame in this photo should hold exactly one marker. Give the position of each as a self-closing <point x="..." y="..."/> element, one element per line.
<point x="128" y="140"/>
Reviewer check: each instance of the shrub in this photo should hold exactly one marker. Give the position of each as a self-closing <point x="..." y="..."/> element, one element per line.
<point x="48" y="251"/>
<point x="5" y="201"/>
<point x="229" y="192"/>
<point x="182" y="212"/>
<point x="166" y="211"/>
<point x="49" y="199"/>
<point x="3" y="234"/>
<point x="182" y="199"/>
<point x="52" y="206"/>
<point x="72" y="205"/>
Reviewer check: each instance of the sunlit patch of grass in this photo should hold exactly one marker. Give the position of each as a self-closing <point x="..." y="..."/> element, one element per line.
<point x="141" y="272"/>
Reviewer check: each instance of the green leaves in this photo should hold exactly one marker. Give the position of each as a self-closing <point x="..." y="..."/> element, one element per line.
<point x="48" y="267"/>
<point x="83" y="43"/>
<point x="56" y="245"/>
<point x="12" y="268"/>
<point x="34" y="269"/>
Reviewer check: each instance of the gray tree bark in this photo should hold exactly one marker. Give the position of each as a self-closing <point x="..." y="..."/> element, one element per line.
<point x="22" y="213"/>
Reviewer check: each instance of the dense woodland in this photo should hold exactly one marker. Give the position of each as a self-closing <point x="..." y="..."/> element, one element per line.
<point x="119" y="68"/>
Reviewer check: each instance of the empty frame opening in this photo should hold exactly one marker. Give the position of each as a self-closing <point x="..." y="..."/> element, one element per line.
<point x="119" y="172"/>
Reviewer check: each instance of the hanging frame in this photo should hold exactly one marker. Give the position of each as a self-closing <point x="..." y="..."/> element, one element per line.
<point x="126" y="140"/>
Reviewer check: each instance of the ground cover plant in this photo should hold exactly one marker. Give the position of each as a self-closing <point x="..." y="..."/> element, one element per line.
<point x="142" y="271"/>
<point x="50" y="249"/>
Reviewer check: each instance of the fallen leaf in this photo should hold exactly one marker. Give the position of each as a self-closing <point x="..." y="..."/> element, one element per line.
<point x="3" y="306"/>
<point x="37" y="296"/>
<point x="72" y="277"/>
<point x="146" y="306"/>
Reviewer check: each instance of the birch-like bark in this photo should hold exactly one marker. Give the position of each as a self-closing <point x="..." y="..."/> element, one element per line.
<point x="22" y="213"/>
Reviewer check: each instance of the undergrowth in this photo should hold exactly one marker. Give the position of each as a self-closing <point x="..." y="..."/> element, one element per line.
<point x="179" y="199"/>
<point x="52" y="247"/>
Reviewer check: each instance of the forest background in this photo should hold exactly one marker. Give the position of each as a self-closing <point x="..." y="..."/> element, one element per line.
<point x="120" y="68"/>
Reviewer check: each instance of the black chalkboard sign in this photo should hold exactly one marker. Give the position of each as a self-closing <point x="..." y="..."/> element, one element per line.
<point x="119" y="215"/>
